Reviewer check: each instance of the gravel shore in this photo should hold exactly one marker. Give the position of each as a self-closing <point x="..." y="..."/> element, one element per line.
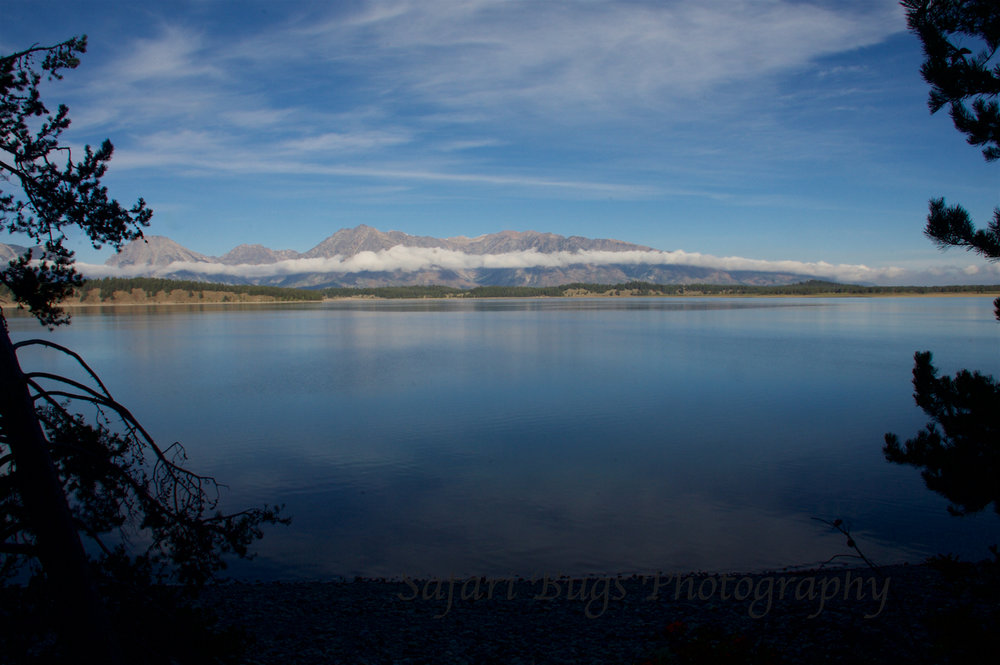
<point x="816" y="616"/>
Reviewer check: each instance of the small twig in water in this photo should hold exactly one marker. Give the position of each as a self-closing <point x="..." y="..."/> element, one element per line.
<point x="838" y="524"/>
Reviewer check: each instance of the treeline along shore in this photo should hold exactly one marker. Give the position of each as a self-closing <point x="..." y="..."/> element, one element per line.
<point x="632" y="289"/>
<point x="147" y="290"/>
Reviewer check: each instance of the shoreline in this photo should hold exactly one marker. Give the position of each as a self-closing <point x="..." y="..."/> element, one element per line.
<point x="833" y="615"/>
<point x="12" y="306"/>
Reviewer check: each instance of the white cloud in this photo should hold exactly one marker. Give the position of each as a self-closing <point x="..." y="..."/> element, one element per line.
<point x="406" y="259"/>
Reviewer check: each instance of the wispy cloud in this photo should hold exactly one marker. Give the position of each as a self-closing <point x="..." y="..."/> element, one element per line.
<point x="587" y="56"/>
<point x="192" y="151"/>
<point x="342" y="142"/>
<point x="381" y="80"/>
<point x="174" y="55"/>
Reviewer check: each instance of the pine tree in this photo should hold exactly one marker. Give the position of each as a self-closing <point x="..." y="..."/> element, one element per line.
<point x="61" y="476"/>
<point x="959" y="450"/>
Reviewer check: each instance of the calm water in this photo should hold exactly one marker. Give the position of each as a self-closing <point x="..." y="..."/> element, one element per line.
<point x="550" y="436"/>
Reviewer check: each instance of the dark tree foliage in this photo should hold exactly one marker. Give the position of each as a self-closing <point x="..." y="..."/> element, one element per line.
<point x="967" y="81"/>
<point x="93" y="514"/>
<point x="52" y="192"/>
<point x="958" y="450"/>
<point x="121" y="484"/>
<point x="154" y="532"/>
<point x="956" y="74"/>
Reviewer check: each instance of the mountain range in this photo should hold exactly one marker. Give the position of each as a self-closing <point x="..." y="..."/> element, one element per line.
<point x="365" y="256"/>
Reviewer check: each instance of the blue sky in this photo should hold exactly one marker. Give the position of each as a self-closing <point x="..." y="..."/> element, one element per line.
<point x="775" y="130"/>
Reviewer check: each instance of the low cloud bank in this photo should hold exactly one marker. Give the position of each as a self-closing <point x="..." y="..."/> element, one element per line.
<point x="409" y="259"/>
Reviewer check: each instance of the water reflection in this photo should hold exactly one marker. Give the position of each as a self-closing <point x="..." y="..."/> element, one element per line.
<point x="524" y="436"/>
<point x="567" y="304"/>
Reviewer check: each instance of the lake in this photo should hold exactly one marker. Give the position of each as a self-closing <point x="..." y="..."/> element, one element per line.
<point x="546" y="436"/>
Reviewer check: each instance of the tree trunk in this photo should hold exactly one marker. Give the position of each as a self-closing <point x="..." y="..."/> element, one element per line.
<point x="82" y="616"/>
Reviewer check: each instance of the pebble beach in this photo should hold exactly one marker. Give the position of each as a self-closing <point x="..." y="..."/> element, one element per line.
<point x="856" y="615"/>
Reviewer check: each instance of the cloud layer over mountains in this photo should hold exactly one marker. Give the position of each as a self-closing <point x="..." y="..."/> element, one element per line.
<point x="364" y="256"/>
<point x="401" y="258"/>
<point x="524" y="257"/>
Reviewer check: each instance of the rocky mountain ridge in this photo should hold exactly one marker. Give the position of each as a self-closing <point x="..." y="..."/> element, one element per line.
<point x="162" y="251"/>
<point x="467" y="262"/>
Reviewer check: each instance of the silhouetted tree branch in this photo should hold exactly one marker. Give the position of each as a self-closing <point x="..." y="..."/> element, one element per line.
<point x="968" y="83"/>
<point x="50" y="197"/>
<point x="946" y="29"/>
<point x="149" y="519"/>
<point x="959" y="450"/>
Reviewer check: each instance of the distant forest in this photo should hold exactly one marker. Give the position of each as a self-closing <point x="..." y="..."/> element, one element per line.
<point x="139" y="290"/>
<point x="151" y="286"/>
<point x="809" y="288"/>
<point x="145" y="289"/>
